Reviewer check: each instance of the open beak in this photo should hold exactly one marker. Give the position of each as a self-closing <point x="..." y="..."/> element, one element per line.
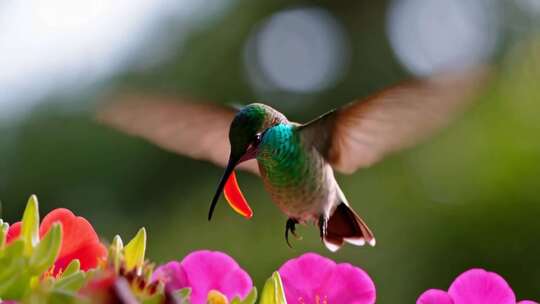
<point x="229" y="186"/>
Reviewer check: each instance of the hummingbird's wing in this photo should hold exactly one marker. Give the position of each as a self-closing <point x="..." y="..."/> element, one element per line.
<point x="364" y="131"/>
<point x="197" y="130"/>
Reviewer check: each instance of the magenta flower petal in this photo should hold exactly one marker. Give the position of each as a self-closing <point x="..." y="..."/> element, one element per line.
<point x="172" y="274"/>
<point x="203" y="271"/>
<point x="312" y="278"/>
<point x="354" y="283"/>
<point x="302" y="277"/>
<point x="477" y="286"/>
<point x="434" y="296"/>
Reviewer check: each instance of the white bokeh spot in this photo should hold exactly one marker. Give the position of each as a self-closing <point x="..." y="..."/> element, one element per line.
<point x="430" y="36"/>
<point x="299" y="50"/>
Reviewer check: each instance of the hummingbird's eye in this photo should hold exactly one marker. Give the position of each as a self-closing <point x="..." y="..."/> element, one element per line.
<point x="257" y="138"/>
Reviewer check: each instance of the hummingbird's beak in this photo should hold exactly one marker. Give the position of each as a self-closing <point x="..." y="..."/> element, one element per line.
<point x="229" y="186"/>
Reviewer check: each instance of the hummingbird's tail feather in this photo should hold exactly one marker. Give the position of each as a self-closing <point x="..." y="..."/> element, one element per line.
<point x="344" y="225"/>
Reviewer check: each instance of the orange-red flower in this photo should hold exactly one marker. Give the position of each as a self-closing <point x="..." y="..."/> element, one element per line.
<point x="79" y="240"/>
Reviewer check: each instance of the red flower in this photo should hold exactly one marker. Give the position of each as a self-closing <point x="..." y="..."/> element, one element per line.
<point x="79" y="240"/>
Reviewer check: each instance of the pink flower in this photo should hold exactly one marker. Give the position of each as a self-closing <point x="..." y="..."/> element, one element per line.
<point x="312" y="279"/>
<point x="475" y="286"/>
<point x="204" y="271"/>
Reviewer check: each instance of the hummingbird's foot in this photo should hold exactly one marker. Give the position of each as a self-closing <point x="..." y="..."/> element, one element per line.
<point x="291" y="226"/>
<point x="323" y="225"/>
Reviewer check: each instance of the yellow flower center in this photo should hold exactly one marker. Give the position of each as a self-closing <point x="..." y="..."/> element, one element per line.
<point x="216" y="297"/>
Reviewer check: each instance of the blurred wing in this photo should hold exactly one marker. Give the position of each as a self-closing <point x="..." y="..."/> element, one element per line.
<point x="364" y="131"/>
<point x="198" y="130"/>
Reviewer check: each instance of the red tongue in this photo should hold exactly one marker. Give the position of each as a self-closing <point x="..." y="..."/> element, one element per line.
<point x="236" y="199"/>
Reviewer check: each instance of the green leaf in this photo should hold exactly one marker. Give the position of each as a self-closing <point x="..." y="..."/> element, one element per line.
<point x="14" y="279"/>
<point x="46" y="295"/>
<point x="251" y="298"/>
<point x="71" y="268"/>
<point x="155" y="299"/>
<point x="63" y="297"/>
<point x="30" y="225"/>
<point x="14" y="249"/>
<point x="46" y="251"/>
<point x="273" y="291"/>
<point x="183" y="295"/>
<point x="115" y="252"/>
<point x="17" y="285"/>
<point x="134" y="250"/>
<point x="9" y="269"/>
<point x="4" y="227"/>
<point x="72" y="282"/>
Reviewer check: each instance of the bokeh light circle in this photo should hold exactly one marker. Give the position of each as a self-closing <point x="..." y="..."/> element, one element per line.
<point x="532" y="7"/>
<point x="429" y="36"/>
<point x="299" y="50"/>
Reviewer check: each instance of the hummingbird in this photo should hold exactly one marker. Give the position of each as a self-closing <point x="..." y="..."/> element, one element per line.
<point x="297" y="162"/>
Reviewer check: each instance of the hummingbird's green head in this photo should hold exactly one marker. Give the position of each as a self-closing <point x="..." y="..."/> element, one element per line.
<point x="245" y="134"/>
<point x="248" y="126"/>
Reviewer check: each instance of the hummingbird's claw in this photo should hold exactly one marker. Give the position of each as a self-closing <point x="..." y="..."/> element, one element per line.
<point x="291" y="226"/>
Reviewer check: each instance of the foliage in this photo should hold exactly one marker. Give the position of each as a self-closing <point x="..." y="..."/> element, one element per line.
<point x="27" y="260"/>
<point x="273" y="291"/>
<point x="29" y="274"/>
<point x="27" y="271"/>
<point x="27" y="265"/>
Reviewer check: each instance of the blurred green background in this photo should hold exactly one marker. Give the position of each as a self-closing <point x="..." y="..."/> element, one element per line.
<point x="470" y="197"/>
